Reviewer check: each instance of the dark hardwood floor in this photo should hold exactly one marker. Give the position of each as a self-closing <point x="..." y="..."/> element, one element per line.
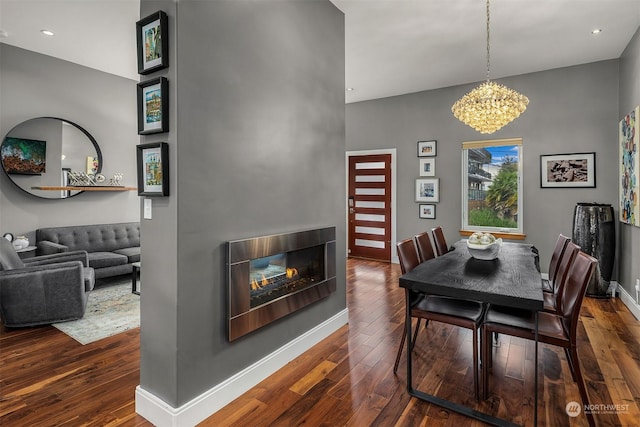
<point x="48" y="379"/>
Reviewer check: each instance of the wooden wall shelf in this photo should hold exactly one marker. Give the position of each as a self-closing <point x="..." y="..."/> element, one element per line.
<point x="89" y="188"/>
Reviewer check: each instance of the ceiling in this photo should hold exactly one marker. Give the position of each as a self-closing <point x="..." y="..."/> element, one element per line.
<point x="392" y="46"/>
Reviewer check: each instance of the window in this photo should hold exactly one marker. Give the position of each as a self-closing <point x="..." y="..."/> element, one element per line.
<point x="492" y="186"/>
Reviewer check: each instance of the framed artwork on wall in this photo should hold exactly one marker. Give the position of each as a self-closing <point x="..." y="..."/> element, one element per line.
<point x="152" y="43"/>
<point x="427" y="211"/>
<point x="153" y="106"/>
<point x="568" y="170"/>
<point x="426" y="148"/>
<point x="153" y="169"/>
<point x="427" y="190"/>
<point x="428" y="167"/>
<point x="629" y="180"/>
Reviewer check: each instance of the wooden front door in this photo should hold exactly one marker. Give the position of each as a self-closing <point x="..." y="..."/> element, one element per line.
<point x="369" y="204"/>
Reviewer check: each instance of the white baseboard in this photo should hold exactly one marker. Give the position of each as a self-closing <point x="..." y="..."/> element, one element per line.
<point x="629" y="301"/>
<point x="191" y="413"/>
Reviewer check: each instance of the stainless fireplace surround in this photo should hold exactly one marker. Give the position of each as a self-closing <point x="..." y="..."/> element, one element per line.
<point x="244" y="319"/>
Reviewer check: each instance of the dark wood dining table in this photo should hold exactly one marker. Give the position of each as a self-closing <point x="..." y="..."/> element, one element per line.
<point x="512" y="280"/>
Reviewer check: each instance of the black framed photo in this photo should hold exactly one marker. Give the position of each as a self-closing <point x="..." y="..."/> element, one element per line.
<point x="153" y="43"/>
<point x="572" y="170"/>
<point x="153" y="169"/>
<point x="426" y="148"/>
<point x="153" y="106"/>
<point x="427" y="211"/>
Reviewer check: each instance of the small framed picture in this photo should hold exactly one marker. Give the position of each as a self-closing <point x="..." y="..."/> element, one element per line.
<point x="153" y="106"/>
<point x="153" y="43"/>
<point x="427" y="167"/>
<point x="568" y="170"/>
<point x="427" y="190"/>
<point x="426" y="148"/>
<point x="427" y="211"/>
<point x="153" y="169"/>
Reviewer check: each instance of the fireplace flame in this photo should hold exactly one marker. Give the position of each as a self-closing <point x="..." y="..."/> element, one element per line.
<point x="291" y="272"/>
<point x="255" y="285"/>
<point x="265" y="282"/>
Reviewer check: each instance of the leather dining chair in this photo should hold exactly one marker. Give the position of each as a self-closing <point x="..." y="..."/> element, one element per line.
<point x="425" y="249"/>
<point x="561" y="244"/>
<point x="552" y="300"/>
<point x="463" y="313"/>
<point x="555" y="329"/>
<point x="440" y="241"/>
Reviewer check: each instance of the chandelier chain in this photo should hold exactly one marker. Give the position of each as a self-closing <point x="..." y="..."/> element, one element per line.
<point x="488" y="42"/>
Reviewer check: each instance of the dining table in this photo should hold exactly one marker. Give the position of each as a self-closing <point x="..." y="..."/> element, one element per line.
<point x="512" y="280"/>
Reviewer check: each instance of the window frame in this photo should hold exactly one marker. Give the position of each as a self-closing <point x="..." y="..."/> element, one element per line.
<point x="515" y="233"/>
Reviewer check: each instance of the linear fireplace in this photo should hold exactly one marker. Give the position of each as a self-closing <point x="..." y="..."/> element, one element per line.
<point x="270" y="277"/>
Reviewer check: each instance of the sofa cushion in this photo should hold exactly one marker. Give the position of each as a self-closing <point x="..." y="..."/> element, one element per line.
<point x="132" y="254"/>
<point x="106" y="259"/>
<point x="93" y="238"/>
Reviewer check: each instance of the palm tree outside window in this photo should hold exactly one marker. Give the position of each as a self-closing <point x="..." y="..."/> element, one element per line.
<point x="492" y="186"/>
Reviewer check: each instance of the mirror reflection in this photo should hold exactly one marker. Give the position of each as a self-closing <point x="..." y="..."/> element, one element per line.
<point x="41" y="152"/>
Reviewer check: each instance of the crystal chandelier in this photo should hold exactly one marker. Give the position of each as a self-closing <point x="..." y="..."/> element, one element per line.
<point x="490" y="106"/>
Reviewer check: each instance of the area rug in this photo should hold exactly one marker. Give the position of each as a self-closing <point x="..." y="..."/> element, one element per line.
<point x="111" y="309"/>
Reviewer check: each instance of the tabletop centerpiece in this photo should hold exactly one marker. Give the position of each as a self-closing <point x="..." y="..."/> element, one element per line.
<point x="484" y="246"/>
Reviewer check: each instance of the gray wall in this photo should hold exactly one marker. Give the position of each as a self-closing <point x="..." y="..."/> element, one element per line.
<point x="629" y="236"/>
<point x="35" y="85"/>
<point x="257" y="147"/>
<point x="571" y="110"/>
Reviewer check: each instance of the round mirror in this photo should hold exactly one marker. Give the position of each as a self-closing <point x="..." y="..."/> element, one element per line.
<point x="41" y="152"/>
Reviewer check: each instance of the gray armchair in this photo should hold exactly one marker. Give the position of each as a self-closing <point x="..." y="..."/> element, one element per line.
<point x="44" y="289"/>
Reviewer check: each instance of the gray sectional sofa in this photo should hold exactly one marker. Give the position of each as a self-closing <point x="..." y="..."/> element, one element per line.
<point x="111" y="247"/>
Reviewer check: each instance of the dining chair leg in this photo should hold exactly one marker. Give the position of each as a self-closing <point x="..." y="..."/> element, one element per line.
<point x="476" y="387"/>
<point x="487" y="347"/>
<point x="489" y="337"/>
<point x="415" y="333"/>
<point x="581" y="387"/>
<point x="404" y="338"/>
<point x="571" y="366"/>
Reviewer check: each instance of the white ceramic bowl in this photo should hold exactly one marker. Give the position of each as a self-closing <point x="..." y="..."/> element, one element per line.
<point x="485" y="252"/>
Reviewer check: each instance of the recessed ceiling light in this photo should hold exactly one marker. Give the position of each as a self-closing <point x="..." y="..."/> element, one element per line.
<point x="350" y="89"/>
<point x="596" y="31"/>
<point x="47" y="32"/>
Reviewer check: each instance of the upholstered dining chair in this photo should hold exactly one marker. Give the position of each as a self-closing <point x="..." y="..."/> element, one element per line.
<point x="439" y="240"/>
<point x="558" y="250"/>
<point x="552" y="300"/>
<point x="425" y="252"/>
<point x="466" y="314"/>
<point x="554" y="329"/>
<point x="425" y="249"/>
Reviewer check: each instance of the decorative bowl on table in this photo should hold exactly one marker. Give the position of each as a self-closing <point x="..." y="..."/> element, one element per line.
<point x="484" y="246"/>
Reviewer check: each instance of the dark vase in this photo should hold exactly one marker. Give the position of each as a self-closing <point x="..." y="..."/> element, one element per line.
<point x="594" y="231"/>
